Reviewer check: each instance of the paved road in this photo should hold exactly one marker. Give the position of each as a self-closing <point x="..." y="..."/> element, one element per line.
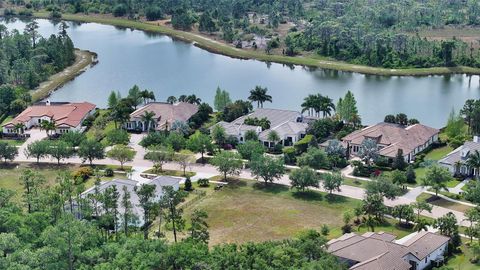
<point x="206" y="171"/>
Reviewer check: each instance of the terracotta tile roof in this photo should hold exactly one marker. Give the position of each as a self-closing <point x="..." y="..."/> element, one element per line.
<point x="393" y="137"/>
<point x="69" y="114"/>
<point x="166" y="112"/>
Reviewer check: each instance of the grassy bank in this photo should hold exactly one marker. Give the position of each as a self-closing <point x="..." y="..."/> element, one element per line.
<point x="83" y="60"/>
<point x="224" y="49"/>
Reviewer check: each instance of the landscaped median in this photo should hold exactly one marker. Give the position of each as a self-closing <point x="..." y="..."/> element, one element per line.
<point x="225" y="49"/>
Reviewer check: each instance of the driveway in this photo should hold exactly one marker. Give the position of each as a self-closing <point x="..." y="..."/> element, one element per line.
<point x="35" y="135"/>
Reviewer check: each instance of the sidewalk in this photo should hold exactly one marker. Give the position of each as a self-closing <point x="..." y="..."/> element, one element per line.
<point x="207" y="171"/>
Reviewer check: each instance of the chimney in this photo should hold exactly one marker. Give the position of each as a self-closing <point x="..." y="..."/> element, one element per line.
<point x="47" y="102"/>
<point x="476" y="139"/>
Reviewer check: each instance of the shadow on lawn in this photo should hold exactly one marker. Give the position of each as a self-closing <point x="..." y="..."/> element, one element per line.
<point x="308" y="195"/>
<point x="270" y="188"/>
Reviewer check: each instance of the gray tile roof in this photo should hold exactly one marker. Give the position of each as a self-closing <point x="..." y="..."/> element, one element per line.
<point x="275" y="116"/>
<point x="456" y="155"/>
<point x="284" y="129"/>
<point x="378" y="251"/>
<point x="235" y="129"/>
<point x="159" y="182"/>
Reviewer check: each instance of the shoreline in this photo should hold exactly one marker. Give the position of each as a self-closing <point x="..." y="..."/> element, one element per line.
<point x="224" y="49"/>
<point x="84" y="60"/>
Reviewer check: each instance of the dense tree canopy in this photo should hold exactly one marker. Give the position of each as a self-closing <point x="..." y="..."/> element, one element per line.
<point x="26" y="59"/>
<point x="380" y="33"/>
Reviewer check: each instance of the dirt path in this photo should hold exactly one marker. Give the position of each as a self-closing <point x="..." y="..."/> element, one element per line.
<point x="84" y="59"/>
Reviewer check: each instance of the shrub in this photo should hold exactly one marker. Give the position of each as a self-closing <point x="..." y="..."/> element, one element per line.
<point x="204" y="182"/>
<point x="25" y="12"/>
<point x="153" y="138"/>
<point x="119" y="10"/>
<point x="302" y="145"/>
<point x="188" y="184"/>
<point x="153" y="13"/>
<point x="117" y="136"/>
<point x="289" y="155"/>
<point x="73" y="138"/>
<point x="108" y="172"/>
<point x="82" y="174"/>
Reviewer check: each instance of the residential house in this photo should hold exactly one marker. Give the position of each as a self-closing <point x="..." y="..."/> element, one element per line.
<point x="159" y="182"/>
<point x="380" y="251"/>
<point x="66" y="116"/>
<point x="456" y="161"/>
<point x="289" y="125"/>
<point x="165" y="114"/>
<point x="391" y="138"/>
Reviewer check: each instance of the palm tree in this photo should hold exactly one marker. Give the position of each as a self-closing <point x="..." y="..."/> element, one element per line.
<point x="147" y="119"/>
<point x="259" y="95"/>
<point x="182" y="98"/>
<point x="308" y="103"/>
<point x="171" y="99"/>
<point x="147" y="96"/>
<point x="457" y="166"/>
<point x="47" y="126"/>
<point x="326" y="105"/>
<point x="473" y="161"/>
<point x="273" y="137"/>
<point x="19" y="128"/>
<point x="193" y="99"/>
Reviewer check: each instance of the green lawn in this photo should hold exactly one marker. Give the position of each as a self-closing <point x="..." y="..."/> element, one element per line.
<point x="438" y="153"/>
<point x="171" y="173"/>
<point x="442" y="202"/>
<point x="435" y="154"/>
<point x="355" y="183"/>
<point x="13" y="142"/>
<point x="10" y="175"/>
<point x="7" y="119"/>
<point x="245" y="211"/>
<point x="461" y="261"/>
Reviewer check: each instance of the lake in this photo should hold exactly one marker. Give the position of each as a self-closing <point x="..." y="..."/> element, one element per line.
<point x="169" y="67"/>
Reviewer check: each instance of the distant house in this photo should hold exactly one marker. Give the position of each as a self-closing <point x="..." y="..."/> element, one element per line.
<point x="165" y="115"/>
<point x="456" y="160"/>
<point x="66" y="116"/>
<point x="289" y="125"/>
<point x="380" y="251"/>
<point x="159" y="183"/>
<point x="391" y="138"/>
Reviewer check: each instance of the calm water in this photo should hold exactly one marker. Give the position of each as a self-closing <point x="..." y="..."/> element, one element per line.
<point x="170" y="67"/>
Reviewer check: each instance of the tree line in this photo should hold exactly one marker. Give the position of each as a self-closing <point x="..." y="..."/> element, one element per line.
<point x="57" y="228"/>
<point x="375" y="33"/>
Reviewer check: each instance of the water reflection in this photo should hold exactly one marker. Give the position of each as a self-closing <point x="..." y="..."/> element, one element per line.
<point x="172" y="67"/>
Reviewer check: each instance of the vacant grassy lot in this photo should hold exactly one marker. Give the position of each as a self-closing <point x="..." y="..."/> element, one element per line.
<point x="442" y="202"/>
<point x="248" y="211"/>
<point x="10" y="175"/>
